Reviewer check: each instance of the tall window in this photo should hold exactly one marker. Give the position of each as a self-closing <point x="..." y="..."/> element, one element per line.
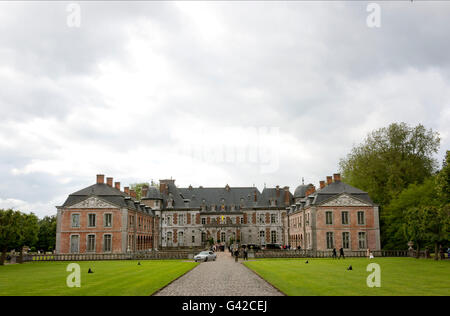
<point x="273" y="218"/>
<point x="203" y="237"/>
<point x="362" y="240"/>
<point x="74" y="243"/>
<point x="92" y="220"/>
<point x="329" y="217"/>
<point x="344" y="218"/>
<point x="361" y="220"/>
<point x="180" y="239"/>
<point x="330" y="240"/>
<point x="107" y="243"/>
<point x="75" y="220"/>
<point x="346" y="240"/>
<point x="169" y="238"/>
<point x="262" y="236"/>
<point x="222" y="237"/>
<point x="108" y="220"/>
<point x="193" y="239"/>
<point x="261" y="218"/>
<point x="273" y="237"/>
<point x="90" y="243"/>
<point x="203" y="221"/>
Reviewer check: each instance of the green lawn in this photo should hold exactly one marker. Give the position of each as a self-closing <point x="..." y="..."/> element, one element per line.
<point x="109" y="277"/>
<point x="399" y="276"/>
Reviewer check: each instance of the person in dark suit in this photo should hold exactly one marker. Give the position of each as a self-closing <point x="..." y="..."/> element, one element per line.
<point x="236" y="255"/>
<point x="334" y="253"/>
<point x="341" y="253"/>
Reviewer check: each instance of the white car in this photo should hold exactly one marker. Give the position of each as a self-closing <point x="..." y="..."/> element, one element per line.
<point x="205" y="256"/>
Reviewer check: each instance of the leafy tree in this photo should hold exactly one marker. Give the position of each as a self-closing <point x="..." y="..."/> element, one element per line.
<point x="396" y="213"/>
<point x="390" y="159"/>
<point x="437" y="225"/>
<point x="387" y="162"/>
<point x="16" y="230"/>
<point x="414" y="226"/>
<point x="29" y="230"/>
<point x="443" y="180"/>
<point x="47" y="233"/>
<point x="9" y="231"/>
<point x="137" y="187"/>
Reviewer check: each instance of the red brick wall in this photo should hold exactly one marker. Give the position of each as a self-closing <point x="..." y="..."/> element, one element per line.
<point x="145" y="230"/>
<point x="338" y="228"/>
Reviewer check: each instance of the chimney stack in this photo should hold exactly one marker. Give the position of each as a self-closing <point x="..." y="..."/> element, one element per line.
<point x="329" y="179"/>
<point x="126" y="190"/>
<point x="337" y="177"/>
<point x="133" y="193"/>
<point x="164" y="185"/>
<point x="100" y="178"/>
<point x="287" y="201"/>
<point x="117" y="185"/>
<point x="310" y="190"/>
<point x="144" y="191"/>
<point x="109" y="181"/>
<point x="278" y="191"/>
<point x="256" y="197"/>
<point x="322" y="184"/>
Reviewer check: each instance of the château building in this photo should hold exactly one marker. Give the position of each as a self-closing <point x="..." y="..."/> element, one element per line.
<point x="104" y="219"/>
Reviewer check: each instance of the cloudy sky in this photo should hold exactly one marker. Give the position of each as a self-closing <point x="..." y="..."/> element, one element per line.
<point x="208" y="93"/>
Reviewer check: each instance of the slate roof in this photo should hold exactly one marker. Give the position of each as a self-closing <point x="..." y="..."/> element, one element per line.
<point x="339" y="187"/>
<point x="239" y="197"/>
<point x="153" y="193"/>
<point x="300" y="191"/>
<point x="107" y="193"/>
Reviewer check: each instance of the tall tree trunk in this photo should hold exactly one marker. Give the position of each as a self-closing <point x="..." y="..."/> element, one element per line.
<point x="21" y="256"/>
<point x="418" y="251"/>
<point x="3" y="257"/>
<point x="436" y="251"/>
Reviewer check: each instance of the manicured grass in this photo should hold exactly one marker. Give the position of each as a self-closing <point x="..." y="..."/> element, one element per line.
<point x="109" y="277"/>
<point x="399" y="276"/>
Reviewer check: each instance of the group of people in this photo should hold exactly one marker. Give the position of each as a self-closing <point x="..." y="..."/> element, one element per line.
<point x="341" y="253"/>
<point x="236" y="253"/>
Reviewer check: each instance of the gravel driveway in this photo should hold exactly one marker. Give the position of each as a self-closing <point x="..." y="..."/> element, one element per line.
<point x="222" y="277"/>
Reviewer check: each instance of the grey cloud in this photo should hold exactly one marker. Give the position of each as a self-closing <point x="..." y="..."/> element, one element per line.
<point x="311" y="69"/>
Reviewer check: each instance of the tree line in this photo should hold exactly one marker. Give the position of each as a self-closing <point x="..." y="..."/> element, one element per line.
<point x="18" y="229"/>
<point x="396" y="166"/>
